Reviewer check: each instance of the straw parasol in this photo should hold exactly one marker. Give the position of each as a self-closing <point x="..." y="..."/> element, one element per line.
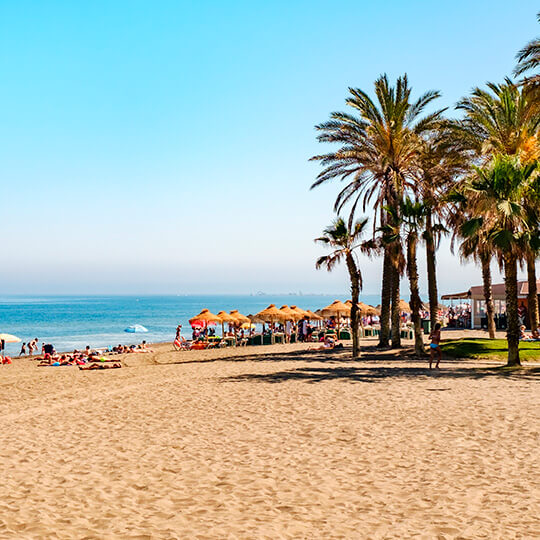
<point x="205" y="316"/>
<point x="290" y="314"/>
<point x="239" y="317"/>
<point x="271" y="314"/>
<point x="404" y="306"/>
<point x="336" y="308"/>
<point x="225" y="318"/>
<point x="366" y="309"/>
<point x="313" y="316"/>
<point x="302" y="312"/>
<point x="255" y="319"/>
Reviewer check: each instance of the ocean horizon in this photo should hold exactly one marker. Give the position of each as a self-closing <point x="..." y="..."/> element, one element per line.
<point x="75" y="321"/>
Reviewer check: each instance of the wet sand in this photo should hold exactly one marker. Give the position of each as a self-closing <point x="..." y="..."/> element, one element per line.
<point x="271" y="443"/>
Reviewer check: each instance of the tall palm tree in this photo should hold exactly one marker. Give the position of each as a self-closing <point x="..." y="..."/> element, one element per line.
<point x="501" y="120"/>
<point x="497" y="195"/>
<point x="529" y="59"/>
<point x="409" y="222"/>
<point x="476" y="245"/>
<point x="378" y="147"/>
<point x="505" y="120"/>
<point x="344" y="239"/>
<point x="442" y="161"/>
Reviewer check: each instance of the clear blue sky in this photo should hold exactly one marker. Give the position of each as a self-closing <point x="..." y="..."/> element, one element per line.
<point x="162" y="147"/>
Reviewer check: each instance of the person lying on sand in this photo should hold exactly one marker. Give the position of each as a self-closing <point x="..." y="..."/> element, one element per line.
<point x="143" y="347"/>
<point x="329" y="343"/>
<point x="116" y="365"/>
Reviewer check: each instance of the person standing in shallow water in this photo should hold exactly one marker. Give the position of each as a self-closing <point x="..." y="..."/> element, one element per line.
<point x="435" y="345"/>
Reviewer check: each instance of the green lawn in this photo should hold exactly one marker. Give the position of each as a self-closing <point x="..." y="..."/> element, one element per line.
<point x="493" y="349"/>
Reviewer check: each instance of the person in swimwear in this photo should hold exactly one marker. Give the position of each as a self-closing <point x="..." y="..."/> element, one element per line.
<point x="435" y="345"/>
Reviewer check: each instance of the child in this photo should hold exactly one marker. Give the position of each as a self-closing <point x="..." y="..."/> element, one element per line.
<point x="435" y="346"/>
<point x="23" y="350"/>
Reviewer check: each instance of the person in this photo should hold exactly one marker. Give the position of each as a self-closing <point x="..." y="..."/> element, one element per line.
<point x="32" y="346"/>
<point x="435" y="345"/>
<point x="328" y="343"/>
<point x="288" y="331"/>
<point x="23" y="350"/>
<point x="522" y="313"/>
<point x="523" y="336"/>
<point x="178" y="332"/>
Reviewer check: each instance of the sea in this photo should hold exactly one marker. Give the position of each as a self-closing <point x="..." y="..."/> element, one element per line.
<point x="73" y="322"/>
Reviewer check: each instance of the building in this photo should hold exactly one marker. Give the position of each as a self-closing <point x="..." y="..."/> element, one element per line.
<point x="475" y="295"/>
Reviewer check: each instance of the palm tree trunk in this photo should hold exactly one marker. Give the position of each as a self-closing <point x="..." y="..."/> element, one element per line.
<point x="396" y="319"/>
<point x="412" y="270"/>
<point x="431" y="272"/>
<point x="386" y="295"/>
<point x="485" y="261"/>
<point x="532" y="298"/>
<point x="512" y="334"/>
<point x="355" y="293"/>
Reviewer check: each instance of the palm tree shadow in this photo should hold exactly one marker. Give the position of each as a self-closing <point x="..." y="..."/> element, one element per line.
<point x="373" y="374"/>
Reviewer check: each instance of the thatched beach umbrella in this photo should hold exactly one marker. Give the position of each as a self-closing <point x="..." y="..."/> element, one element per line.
<point x="205" y="317"/>
<point x="271" y="314"/>
<point x="336" y="308"/>
<point x="313" y="316"/>
<point x="302" y="312"/>
<point x="404" y="306"/>
<point x="225" y="318"/>
<point x="366" y="309"/>
<point x="241" y="319"/>
<point x="289" y="314"/>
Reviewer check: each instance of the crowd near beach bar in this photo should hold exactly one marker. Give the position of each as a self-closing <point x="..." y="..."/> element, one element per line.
<point x="469" y="307"/>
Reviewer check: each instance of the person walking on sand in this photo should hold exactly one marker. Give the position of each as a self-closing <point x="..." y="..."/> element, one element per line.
<point x="23" y="350"/>
<point x="435" y="345"/>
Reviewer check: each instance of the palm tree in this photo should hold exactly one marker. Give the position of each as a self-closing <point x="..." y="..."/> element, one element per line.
<point x="476" y="244"/>
<point x="409" y="220"/>
<point x="503" y="120"/>
<point x="497" y="195"/>
<point x="377" y="157"/>
<point x="528" y="59"/>
<point x="442" y="161"/>
<point x="344" y="239"/>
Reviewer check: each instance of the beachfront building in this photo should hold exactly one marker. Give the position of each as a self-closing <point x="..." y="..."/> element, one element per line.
<point x="475" y="298"/>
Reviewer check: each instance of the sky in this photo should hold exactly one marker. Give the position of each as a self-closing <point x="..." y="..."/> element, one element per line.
<point x="163" y="147"/>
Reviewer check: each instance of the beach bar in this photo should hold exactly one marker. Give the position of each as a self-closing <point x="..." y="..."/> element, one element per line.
<point x="478" y="304"/>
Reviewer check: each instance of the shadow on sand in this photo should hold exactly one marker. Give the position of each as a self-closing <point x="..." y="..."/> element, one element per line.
<point x="342" y="367"/>
<point x="373" y="374"/>
<point x="349" y="370"/>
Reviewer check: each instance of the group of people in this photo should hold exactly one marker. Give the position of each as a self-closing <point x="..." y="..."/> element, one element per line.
<point x="533" y="336"/>
<point x="86" y="359"/>
<point x="32" y="347"/>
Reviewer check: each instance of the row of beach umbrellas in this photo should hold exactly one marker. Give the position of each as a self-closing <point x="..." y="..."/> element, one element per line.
<point x="273" y="314"/>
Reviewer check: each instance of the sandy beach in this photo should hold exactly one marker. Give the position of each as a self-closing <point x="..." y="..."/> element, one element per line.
<point x="269" y="443"/>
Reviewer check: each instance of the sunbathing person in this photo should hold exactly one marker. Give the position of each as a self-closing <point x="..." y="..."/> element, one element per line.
<point x="523" y="336"/>
<point x="329" y="343"/>
<point x="180" y="343"/>
<point x="100" y="366"/>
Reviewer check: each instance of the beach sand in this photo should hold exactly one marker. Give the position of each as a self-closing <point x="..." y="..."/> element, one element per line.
<point x="278" y="443"/>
